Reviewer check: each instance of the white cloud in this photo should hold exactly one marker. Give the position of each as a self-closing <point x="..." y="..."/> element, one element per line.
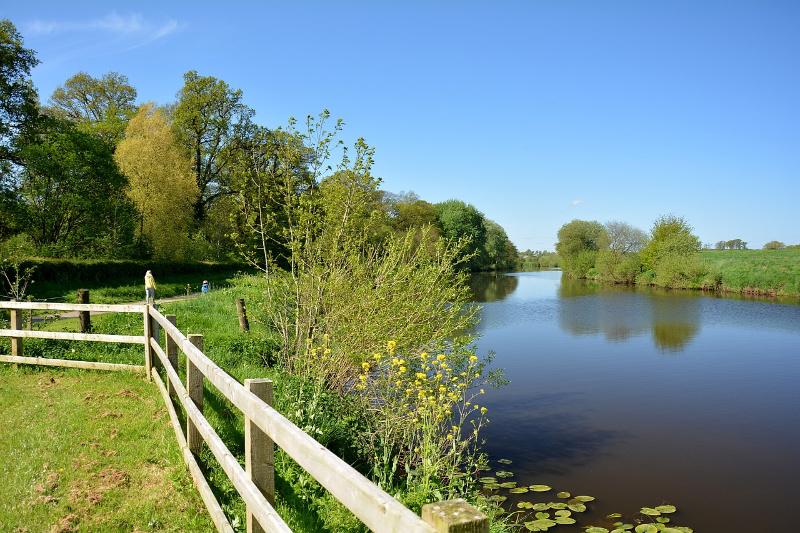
<point x="576" y="202"/>
<point x="133" y="25"/>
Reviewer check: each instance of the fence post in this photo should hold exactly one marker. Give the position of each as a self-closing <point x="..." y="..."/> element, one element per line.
<point x="454" y="516"/>
<point x="155" y="332"/>
<point x="83" y="316"/>
<point x="30" y="315"/>
<point x="194" y="385"/>
<point x="244" y="325"/>
<point x="259" y="452"/>
<point x="148" y="350"/>
<point x="172" y="356"/>
<point x="15" y="323"/>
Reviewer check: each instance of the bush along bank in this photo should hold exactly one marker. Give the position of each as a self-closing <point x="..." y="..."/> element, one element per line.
<point x="670" y="256"/>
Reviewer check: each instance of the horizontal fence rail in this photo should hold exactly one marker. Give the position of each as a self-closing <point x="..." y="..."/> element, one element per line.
<point x="63" y="335"/>
<point x="48" y="306"/>
<point x="378" y="510"/>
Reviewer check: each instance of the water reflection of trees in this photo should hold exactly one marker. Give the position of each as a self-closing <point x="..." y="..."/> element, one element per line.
<point x="490" y="287"/>
<point x="620" y="312"/>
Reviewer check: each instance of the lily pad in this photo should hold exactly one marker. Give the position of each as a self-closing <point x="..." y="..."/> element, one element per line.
<point x="577" y="507"/>
<point x="563" y="495"/>
<point x="519" y="490"/>
<point x="540" y="507"/>
<point x="584" y="499"/>
<point x="497" y="498"/>
<point x="504" y="461"/>
<point x="595" y="529"/>
<point x="540" y="488"/>
<point x="487" y="479"/>
<point x="662" y="519"/>
<point x="557" y="505"/>
<point x="565" y="520"/>
<point x="649" y="511"/>
<point x="504" y="473"/>
<point x="646" y="528"/>
<point x="666" y="509"/>
<point x="613" y="515"/>
<point x="508" y="485"/>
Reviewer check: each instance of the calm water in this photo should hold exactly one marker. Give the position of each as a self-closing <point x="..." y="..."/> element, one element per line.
<point x="640" y="397"/>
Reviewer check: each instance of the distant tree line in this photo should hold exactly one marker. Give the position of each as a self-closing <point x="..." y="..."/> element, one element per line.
<point x="95" y="174"/>
<point x="733" y="244"/>
<point x="538" y="259"/>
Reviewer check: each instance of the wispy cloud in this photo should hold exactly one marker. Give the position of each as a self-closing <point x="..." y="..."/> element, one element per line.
<point x="133" y="25"/>
<point x="576" y="202"/>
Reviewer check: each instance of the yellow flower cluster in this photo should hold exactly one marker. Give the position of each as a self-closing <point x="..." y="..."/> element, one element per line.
<point x="430" y="391"/>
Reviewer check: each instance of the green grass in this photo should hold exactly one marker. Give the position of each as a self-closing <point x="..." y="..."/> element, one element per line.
<point x="241" y="355"/>
<point x="758" y="271"/>
<point x="90" y="451"/>
<point x="127" y="289"/>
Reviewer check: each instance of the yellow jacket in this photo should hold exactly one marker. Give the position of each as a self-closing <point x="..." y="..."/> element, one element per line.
<point x="149" y="282"/>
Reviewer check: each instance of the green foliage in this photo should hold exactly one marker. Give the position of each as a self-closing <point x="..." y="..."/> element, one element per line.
<point x="73" y="192"/>
<point x="18" y="98"/>
<point x="670" y="236"/>
<point x="207" y="118"/>
<point x="536" y="259"/>
<point x="578" y="244"/>
<point x="101" y="106"/>
<point x="463" y="222"/>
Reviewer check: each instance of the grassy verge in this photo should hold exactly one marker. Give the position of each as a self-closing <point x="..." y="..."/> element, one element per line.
<point x="90" y="451"/>
<point x="129" y="289"/>
<point x="774" y="272"/>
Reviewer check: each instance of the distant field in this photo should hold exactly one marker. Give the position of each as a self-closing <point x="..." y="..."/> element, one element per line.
<point x="763" y="271"/>
<point x="90" y="451"/>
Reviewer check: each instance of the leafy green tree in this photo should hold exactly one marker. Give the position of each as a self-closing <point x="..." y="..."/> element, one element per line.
<point x="774" y="245"/>
<point x="501" y="253"/>
<point x="18" y="98"/>
<point x="73" y="192"/>
<point x="671" y="236"/>
<point x="98" y="105"/>
<point x="207" y="119"/>
<point x="578" y="244"/>
<point x="160" y="182"/>
<point x="463" y="222"/>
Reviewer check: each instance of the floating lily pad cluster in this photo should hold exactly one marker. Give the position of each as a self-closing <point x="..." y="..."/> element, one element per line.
<point x="542" y="516"/>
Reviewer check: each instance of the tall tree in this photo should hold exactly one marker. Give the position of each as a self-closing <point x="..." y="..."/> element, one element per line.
<point x="207" y="118"/>
<point x="73" y="191"/>
<point x="160" y="182"/>
<point x="18" y="98"/>
<point x="100" y="105"/>
<point x="462" y="221"/>
<point x="578" y="244"/>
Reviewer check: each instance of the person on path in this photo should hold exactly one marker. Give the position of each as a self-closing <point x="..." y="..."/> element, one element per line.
<point x="205" y="287"/>
<point x="150" y="288"/>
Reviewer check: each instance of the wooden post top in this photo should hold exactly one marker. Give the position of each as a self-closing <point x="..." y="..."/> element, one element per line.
<point x="455" y="516"/>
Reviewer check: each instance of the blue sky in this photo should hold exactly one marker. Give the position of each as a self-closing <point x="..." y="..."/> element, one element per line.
<point x="537" y="112"/>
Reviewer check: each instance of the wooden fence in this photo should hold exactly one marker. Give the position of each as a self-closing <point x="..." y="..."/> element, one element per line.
<point x="264" y="428"/>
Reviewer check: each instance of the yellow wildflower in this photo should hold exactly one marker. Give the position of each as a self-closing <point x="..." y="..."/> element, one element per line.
<point x="390" y="346"/>
<point x="440" y="357"/>
<point x="473" y="359"/>
<point x="421" y="376"/>
<point x="483" y="410"/>
<point x="365" y="366"/>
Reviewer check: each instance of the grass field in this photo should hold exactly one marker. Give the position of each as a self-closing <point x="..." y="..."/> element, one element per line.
<point x="90" y="451"/>
<point x="756" y="271"/>
<point x="241" y="355"/>
<point x="129" y="290"/>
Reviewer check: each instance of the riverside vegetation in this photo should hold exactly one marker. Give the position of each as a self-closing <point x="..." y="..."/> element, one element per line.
<point x="671" y="256"/>
<point x="361" y="301"/>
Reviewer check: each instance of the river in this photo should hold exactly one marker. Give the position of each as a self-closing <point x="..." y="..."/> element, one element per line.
<point x="641" y="397"/>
